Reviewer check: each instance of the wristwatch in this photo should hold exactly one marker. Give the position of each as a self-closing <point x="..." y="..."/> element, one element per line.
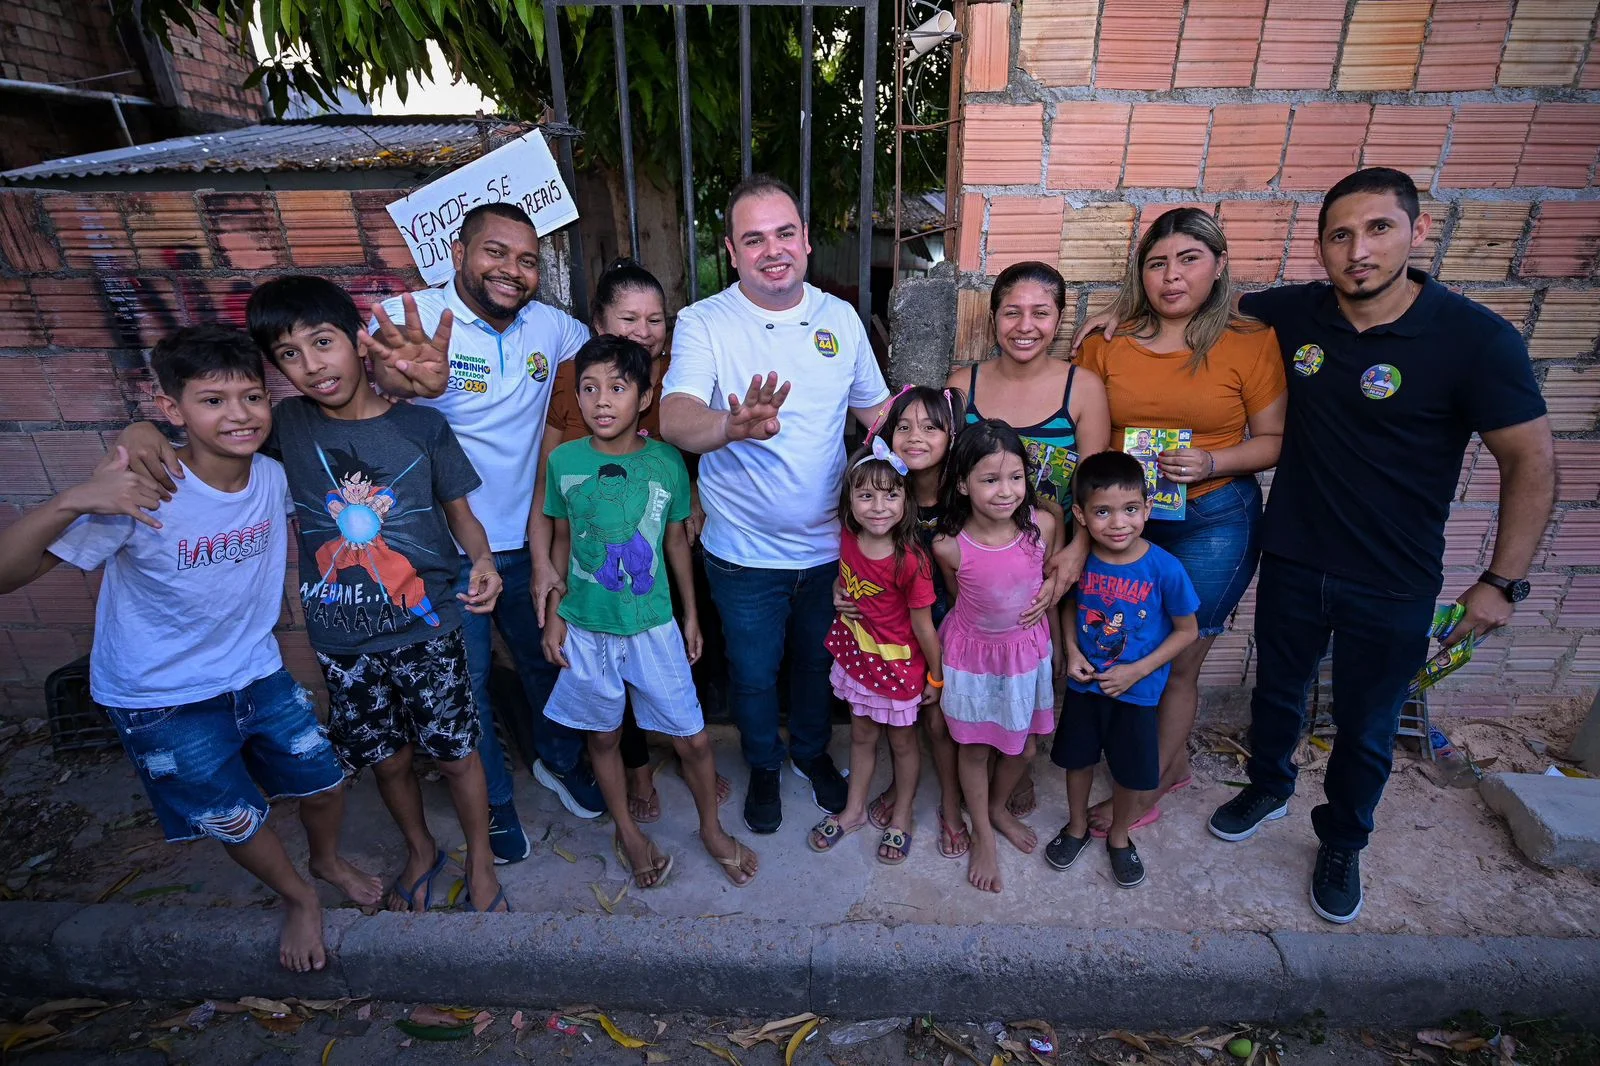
<point x="1515" y="591"/>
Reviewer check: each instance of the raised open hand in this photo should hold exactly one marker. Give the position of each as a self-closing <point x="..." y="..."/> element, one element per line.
<point x="755" y="417"/>
<point x="408" y="350"/>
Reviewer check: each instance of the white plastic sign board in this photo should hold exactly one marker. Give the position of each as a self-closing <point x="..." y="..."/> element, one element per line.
<point x="522" y="172"/>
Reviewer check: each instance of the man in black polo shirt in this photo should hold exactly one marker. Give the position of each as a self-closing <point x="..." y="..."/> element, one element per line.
<point x="1390" y="374"/>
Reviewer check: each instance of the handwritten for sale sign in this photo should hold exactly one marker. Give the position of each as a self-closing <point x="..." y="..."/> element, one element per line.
<point x="521" y="172"/>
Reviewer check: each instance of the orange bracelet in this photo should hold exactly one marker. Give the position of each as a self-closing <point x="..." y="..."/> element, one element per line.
<point x="931" y="681"/>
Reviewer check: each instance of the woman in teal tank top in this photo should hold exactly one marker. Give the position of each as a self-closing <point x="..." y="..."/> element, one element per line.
<point x="1058" y="409"/>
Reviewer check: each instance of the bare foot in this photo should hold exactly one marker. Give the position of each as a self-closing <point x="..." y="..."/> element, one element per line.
<point x="1022" y="801"/>
<point x="983" y="866"/>
<point x="724" y="789"/>
<point x="416" y="869"/>
<point x="300" y="947"/>
<point x="1022" y="836"/>
<point x="358" y="886"/>
<point x="738" y="862"/>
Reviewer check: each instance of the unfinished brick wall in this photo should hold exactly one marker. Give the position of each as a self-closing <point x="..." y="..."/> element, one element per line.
<point x="61" y="42"/>
<point x="1085" y="119"/>
<point x="87" y="284"/>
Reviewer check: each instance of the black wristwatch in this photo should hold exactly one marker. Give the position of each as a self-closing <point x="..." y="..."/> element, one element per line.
<point x="1515" y="591"/>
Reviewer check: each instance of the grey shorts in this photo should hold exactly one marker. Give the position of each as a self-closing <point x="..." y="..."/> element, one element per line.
<point x="591" y="693"/>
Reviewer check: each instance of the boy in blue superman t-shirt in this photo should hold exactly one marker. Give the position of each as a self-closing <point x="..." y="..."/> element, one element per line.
<point x="1135" y="610"/>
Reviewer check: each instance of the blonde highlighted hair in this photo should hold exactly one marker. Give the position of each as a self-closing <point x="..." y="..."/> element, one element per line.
<point x="1215" y="316"/>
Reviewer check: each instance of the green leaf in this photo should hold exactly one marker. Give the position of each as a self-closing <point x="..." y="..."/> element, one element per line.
<point x="408" y="15"/>
<point x="351" y="10"/>
<point x="532" y="20"/>
<point x="270" y="27"/>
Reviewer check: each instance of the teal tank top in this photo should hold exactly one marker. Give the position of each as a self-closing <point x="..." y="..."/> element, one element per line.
<point x="1052" y="444"/>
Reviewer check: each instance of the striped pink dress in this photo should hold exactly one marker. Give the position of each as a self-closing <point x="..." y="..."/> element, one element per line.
<point x="998" y="682"/>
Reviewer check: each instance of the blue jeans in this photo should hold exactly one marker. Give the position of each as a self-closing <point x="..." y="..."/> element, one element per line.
<point x="1218" y="545"/>
<point x="558" y="747"/>
<point x="1380" y="640"/>
<point x="766" y="613"/>
<point x="206" y="764"/>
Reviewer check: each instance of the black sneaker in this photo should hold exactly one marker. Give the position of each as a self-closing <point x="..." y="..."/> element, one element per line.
<point x="1336" y="884"/>
<point x="1240" y="817"/>
<point x="828" y="789"/>
<point x="1064" y="850"/>
<point x="763" y="807"/>
<point x="1126" y="866"/>
<point x="506" y="838"/>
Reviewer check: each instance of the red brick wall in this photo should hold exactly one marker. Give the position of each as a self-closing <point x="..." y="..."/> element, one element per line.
<point x="1108" y="112"/>
<point x="61" y="41"/>
<point x="87" y="283"/>
<point x="210" y="69"/>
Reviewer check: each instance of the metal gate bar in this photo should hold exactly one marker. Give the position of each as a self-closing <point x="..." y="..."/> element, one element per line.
<point x="869" y="85"/>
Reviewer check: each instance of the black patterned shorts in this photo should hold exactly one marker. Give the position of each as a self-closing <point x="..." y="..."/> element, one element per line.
<point x="418" y="694"/>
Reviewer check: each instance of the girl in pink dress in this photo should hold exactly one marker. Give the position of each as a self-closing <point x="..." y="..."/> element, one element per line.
<point x="886" y="661"/>
<point x="999" y="688"/>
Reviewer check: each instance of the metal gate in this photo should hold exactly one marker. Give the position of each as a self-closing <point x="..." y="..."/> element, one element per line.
<point x="869" y="94"/>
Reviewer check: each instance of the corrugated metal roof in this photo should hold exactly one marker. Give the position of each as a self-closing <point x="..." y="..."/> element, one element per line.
<point x="326" y="144"/>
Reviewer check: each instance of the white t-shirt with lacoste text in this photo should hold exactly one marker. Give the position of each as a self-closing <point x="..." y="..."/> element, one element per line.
<point x="186" y="611"/>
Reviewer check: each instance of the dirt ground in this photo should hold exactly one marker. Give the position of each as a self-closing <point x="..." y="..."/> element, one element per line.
<point x="344" y="1034"/>
<point x="79" y="828"/>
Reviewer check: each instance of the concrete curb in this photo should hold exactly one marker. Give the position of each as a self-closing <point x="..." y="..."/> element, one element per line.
<point x="1146" y="978"/>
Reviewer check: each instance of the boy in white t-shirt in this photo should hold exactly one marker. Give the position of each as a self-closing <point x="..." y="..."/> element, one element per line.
<point x="184" y="658"/>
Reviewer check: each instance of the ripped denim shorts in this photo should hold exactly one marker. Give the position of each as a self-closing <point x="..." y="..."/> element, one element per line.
<point x="207" y="765"/>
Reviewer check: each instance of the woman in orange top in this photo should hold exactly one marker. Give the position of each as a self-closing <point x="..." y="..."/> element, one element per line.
<point x="1181" y="359"/>
<point x="628" y="302"/>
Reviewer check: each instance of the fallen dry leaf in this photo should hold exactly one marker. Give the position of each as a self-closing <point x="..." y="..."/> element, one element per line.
<point x="266" y="1006"/>
<point x="483" y="1020"/>
<point x="61" y="1006"/>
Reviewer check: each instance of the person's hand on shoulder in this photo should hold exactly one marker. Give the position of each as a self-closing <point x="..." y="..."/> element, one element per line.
<point x="150" y="453"/>
<point x="1104" y="322"/>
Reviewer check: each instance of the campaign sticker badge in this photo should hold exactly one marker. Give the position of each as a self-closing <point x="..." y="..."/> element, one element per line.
<point x="1308" y="360"/>
<point x="1380" y="382"/>
<point x="538" y="366"/>
<point x="826" y="343"/>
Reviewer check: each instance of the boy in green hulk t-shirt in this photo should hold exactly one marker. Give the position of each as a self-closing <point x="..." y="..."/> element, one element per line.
<point x="618" y="501"/>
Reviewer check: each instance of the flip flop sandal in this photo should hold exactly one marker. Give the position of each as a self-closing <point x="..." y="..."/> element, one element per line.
<point x="499" y="898"/>
<point x="898" y="839"/>
<point x="831" y="833"/>
<point x="424" y="884"/>
<point x="1150" y="817"/>
<point x="953" y="843"/>
<point x="735" y="865"/>
<point x="662" y="869"/>
<point x="880" y="810"/>
<point x="651" y="806"/>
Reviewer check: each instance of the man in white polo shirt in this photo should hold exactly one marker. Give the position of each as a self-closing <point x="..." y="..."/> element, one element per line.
<point x="770" y="477"/>
<point x="484" y="352"/>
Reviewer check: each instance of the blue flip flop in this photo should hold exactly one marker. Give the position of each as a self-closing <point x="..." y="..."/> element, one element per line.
<point x="500" y="897"/>
<point x="424" y="884"/>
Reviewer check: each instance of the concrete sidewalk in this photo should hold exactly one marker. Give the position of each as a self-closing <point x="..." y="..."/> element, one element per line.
<point x="1454" y="918"/>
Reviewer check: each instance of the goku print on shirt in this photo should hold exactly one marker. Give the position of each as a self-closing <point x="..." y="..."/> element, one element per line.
<point x="364" y="581"/>
<point x="616" y="515"/>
